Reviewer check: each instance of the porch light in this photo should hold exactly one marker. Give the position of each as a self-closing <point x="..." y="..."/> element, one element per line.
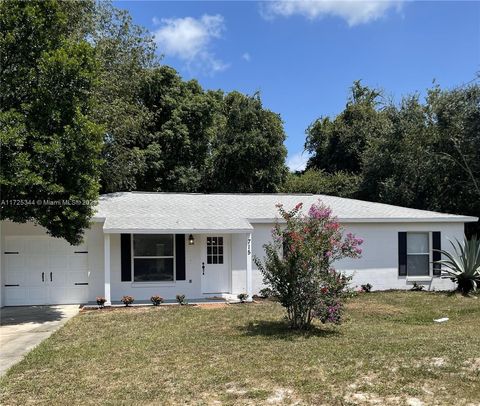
<point x="191" y="240"/>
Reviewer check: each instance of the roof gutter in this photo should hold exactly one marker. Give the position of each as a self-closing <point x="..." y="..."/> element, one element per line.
<point x="457" y="219"/>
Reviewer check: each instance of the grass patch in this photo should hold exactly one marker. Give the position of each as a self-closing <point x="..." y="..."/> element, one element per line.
<point x="388" y="351"/>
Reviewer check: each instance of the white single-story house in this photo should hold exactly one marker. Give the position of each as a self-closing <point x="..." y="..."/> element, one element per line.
<point x="202" y="245"/>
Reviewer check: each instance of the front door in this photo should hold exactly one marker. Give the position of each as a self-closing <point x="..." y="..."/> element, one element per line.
<point x="215" y="264"/>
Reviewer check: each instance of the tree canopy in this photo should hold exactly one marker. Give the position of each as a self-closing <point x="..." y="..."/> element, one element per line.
<point x="86" y="107"/>
<point x="248" y="151"/>
<point x="49" y="144"/>
<point x="420" y="154"/>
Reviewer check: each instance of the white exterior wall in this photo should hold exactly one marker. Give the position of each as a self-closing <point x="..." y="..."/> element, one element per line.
<point x="379" y="262"/>
<point x="262" y="234"/>
<point x="239" y="263"/>
<point x="190" y="287"/>
<point x="378" y="265"/>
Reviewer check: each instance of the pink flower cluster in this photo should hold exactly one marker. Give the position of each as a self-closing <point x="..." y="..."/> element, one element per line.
<point x="319" y="212"/>
<point x="321" y="228"/>
<point x="351" y="245"/>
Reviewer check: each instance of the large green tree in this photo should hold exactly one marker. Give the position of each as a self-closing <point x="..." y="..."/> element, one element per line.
<point x="338" y="144"/>
<point x="248" y="152"/>
<point x="180" y="132"/>
<point x="317" y="181"/>
<point x="423" y="154"/>
<point x="430" y="158"/>
<point x="125" y="53"/>
<point x="49" y="145"/>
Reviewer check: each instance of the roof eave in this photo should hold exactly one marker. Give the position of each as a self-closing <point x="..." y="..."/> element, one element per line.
<point x="176" y="231"/>
<point x="456" y="219"/>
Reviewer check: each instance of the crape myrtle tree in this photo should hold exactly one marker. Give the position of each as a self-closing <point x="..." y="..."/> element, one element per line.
<point x="298" y="264"/>
<point x="49" y="146"/>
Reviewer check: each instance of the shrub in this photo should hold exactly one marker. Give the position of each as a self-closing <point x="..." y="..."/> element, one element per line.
<point x="266" y="293"/>
<point x="101" y="301"/>
<point x="463" y="267"/>
<point x="156" y="300"/>
<point x="127" y="300"/>
<point x="182" y="300"/>
<point x="303" y="278"/>
<point x="242" y="297"/>
<point x="416" y="287"/>
<point x="367" y="288"/>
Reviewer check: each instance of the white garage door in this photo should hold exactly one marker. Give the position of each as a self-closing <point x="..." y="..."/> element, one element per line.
<point x="44" y="270"/>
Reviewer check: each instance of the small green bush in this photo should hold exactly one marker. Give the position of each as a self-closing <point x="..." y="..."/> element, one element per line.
<point x="101" y="301"/>
<point x="156" y="300"/>
<point x="416" y="287"/>
<point x="242" y="297"/>
<point x="266" y="293"/>
<point x="367" y="288"/>
<point x="127" y="300"/>
<point x="182" y="300"/>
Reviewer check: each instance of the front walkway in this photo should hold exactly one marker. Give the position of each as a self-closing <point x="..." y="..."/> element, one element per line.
<point x="23" y="328"/>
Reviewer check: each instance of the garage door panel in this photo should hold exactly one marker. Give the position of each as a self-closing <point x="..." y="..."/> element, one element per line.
<point x="14" y="245"/>
<point x="13" y="261"/>
<point x="36" y="263"/>
<point x="59" y="262"/>
<point x="58" y="246"/>
<point x="77" y="293"/>
<point x="76" y="277"/>
<point x="34" y="278"/>
<point x="15" y="296"/>
<point x="78" y="262"/>
<point x="36" y="246"/>
<point x="68" y="295"/>
<point x="37" y="295"/>
<point x="58" y="279"/>
<point x="14" y="277"/>
<point x="56" y="259"/>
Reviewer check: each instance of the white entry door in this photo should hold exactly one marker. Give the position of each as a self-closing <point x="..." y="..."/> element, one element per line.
<point x="216" y="264"/>
<point x="44" y="270"/>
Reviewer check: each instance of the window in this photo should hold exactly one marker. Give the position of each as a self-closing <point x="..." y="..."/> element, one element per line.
<point x="214" y="250"/>
<point x="153" y="258"/>
<point x="418" y="254"/>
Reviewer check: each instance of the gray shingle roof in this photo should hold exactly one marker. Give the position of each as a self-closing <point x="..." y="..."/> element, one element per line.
<point x="136" y="211"/>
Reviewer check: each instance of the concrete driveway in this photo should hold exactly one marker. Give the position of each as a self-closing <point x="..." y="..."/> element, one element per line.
<point x="23" y="328"/>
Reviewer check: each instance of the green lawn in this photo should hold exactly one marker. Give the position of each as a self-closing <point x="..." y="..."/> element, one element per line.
<point x="388" y="351"/>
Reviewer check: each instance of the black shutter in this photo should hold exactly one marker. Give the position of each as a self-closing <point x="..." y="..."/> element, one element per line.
<point x="436" y="256"/>
<point x="126" y="257"/>
<point x="402" y="253"/>
<point x="180" y="256"/>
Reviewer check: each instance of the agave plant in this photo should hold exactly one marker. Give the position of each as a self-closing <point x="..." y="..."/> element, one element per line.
<point x="463" y="267"/>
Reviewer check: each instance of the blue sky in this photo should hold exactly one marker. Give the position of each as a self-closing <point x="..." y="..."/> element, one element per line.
<point x="303" y="56"/>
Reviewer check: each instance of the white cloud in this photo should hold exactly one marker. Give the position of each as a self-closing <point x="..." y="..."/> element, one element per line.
<point x="190" y="39"/>
<point x="353" y="11"/>
<point x="246" y="56"/>
<point x="297" y="162"/>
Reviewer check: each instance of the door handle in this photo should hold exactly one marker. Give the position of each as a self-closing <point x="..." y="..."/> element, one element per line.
<point x="51" y="277"/>
<point x="43" y="276"/>
<point x="203" y="268"/>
